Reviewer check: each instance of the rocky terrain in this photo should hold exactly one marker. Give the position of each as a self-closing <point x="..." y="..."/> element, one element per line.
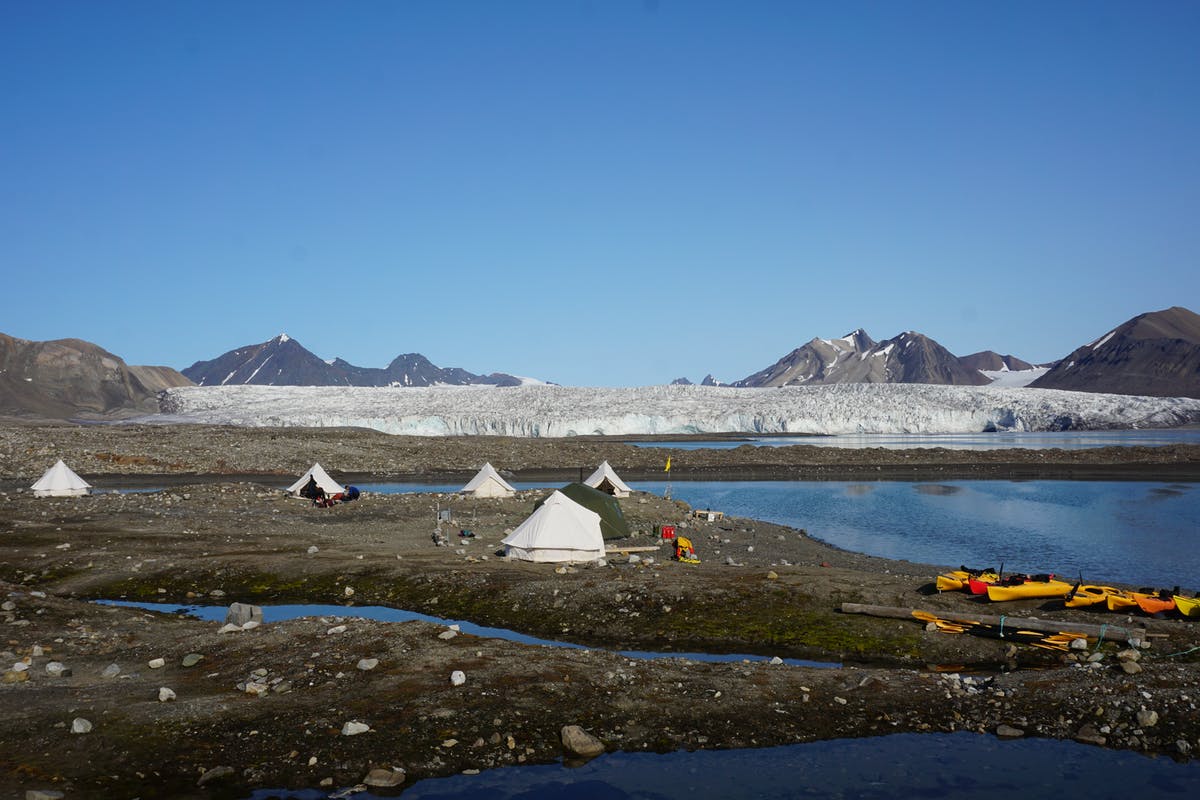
<point x="115" y="702"/>
<point x="68" y="378"/>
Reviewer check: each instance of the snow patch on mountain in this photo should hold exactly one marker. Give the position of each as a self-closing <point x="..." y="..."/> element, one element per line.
<point x="554" y="411"/>
<point x="1013" y="378"/>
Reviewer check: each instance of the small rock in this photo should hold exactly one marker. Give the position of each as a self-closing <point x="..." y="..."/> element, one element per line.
<point x="447" y="635"/>
<point x="37" y="651"/>
<point x="336" y="629"/>
<point x="80" y="725"/>
<point x="772" y="575"/>
<point x="20" y="666"/>
<point x="256" y="688"/>
<point x="229" y="627"/>
<point x="458" y="677"/>
<point x="1008" y="732"/>
<point x="15" y="676"/>
<point x="1147" y="718"/>
<point x="776" y="660"/>
<point x="156" y="663"/>
<point x="1129" y="655"/>
<point x="192" y="659"/>
<point x="165" y="694"/>
<point x="1089" y="735"/>
<point x="43" y="794"/>
<point x="111" y="671"/>
<point x="384" y="778"/>
<point x="215" y="774"/>
<point x="58" y="669"/>
<point x="579" y="743"/>
<point x="348" y="592"/>
<point x="313" y="550"/>
<point x="1079" y="644"/>
<point x="1131" y="667"/>
<point x="355" y="728"/>
<point x="367" y="664"/>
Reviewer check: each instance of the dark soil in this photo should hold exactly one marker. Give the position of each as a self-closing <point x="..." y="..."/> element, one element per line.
<point x="223" y="532"/>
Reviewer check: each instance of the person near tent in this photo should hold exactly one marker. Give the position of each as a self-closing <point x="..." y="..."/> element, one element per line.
<point x="311" y="490"/>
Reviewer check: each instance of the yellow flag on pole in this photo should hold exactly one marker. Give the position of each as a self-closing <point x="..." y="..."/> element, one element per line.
<point x="668" y="467"/>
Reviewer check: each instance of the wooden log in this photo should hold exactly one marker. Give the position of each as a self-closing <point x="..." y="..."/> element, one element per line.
<point x="1109" y="632"/>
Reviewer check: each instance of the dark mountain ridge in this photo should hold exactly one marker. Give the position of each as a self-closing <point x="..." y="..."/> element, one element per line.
<point x="283" y="361"/>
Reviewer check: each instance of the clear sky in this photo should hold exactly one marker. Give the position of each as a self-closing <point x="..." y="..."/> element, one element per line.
<point x="594" y="192"/>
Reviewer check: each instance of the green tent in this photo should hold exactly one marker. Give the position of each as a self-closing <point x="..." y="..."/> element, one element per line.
<point x="612" y="519"/>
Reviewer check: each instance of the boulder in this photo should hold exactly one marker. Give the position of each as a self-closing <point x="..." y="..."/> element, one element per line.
<point x="579" y="743"/>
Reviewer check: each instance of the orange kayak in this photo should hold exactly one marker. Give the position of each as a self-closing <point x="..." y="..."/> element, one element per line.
<point x="1146" y="602"/>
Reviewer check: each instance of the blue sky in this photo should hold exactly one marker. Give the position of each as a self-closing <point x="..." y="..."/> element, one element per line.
<point x="611" y="192"/>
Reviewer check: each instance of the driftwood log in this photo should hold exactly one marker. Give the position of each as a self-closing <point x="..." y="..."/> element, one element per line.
<point x="1109" y="632"/>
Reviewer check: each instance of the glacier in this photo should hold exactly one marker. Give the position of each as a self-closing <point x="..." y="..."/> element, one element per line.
<point x="562" y="411"/>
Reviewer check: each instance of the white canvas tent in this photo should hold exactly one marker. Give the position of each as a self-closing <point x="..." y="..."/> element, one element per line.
<point x="606" y="480"/>
<point x="60" y="481"/>
<point x="488" y="483"/>
<point x="559" y="530"/>
<point x="323" y="480"/>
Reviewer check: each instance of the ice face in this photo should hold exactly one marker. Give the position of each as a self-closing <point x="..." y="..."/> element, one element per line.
<point x="554" y="411"/>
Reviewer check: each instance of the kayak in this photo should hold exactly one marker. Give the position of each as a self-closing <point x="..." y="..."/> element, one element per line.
<point x="1030" y="589"/>
<point x="1146" y="602"/>
<point x="960" y="579"/>
<point x="1188" y="606"/>
<point x="1088" y="595"/>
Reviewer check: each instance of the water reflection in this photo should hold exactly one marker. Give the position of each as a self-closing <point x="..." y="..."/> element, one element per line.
<point x="1136" y="532"/>
<point x="974" y="766"/>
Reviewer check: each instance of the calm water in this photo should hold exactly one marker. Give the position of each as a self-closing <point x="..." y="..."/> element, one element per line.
<point x="1137" y="532"/>
<point x="1066" y="440"/>
<point x="897" y="767"/>
<point x="281" y="613"/>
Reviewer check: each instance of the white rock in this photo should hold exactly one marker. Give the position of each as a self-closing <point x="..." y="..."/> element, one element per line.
<point x="313" y="550"/>
<point x="367" y="664"/>
<point x="251" y="625"/>
<point x="165" y="694"/>
<point x="156" y="663"/>
<point x="20" y="666"/>
<point x="447" y="634"/>
<point x="336" y="629"/>
<point x="355" y="728"/>
<point x="458" y="677"/>
<point x="348" y="592"/>
<point x="80" y="725"/>
<point x="229" y="627"/>
<point x="1147" y="718"/>
<point x="111" y="671"/>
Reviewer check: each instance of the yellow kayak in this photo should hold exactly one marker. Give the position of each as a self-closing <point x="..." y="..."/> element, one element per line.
<point x="959" y="579"/>
<point x="1088" y="595"/>
<point x="1028" y="590"/>
<point x="1188" y="606"/>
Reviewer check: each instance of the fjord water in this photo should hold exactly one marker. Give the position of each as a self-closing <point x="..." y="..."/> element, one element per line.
<point x="980" y="767"/>
<point x="1136" y="532"/>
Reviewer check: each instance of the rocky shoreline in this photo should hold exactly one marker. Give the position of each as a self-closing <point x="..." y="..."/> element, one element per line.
<point x="282" y="704"/>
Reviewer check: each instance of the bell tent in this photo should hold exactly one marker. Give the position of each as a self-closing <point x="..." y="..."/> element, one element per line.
<point x="317" y="473"/>
<point x="488" y="483"/>
<point x="612" y="520"/>
<point x="606" y="480"/>
<point x="559" y="529"/>
<point x="60" y="481"/>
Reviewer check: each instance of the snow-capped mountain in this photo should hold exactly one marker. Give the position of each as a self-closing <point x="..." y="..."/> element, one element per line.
<point x="283" y="361"/>
<point x="553" y="411"/>
<point x="1152" y="354"/>
<point x="856" y="358"/>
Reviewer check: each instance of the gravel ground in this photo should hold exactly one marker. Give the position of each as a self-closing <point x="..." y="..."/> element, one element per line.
<point x="267" y="707"/>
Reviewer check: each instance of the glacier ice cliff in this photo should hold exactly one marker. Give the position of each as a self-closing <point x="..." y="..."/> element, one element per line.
<point x="557" y="411"/>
